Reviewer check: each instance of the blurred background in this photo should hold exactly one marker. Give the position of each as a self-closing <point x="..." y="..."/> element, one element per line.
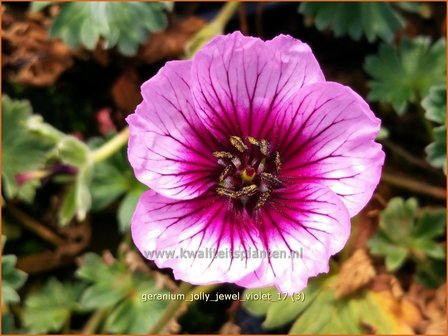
<point x="71" y="73"/>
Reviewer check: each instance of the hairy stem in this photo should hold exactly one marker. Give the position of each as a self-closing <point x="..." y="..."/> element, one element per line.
<point x="414" y="185"/>
<point x="111" y="146"/>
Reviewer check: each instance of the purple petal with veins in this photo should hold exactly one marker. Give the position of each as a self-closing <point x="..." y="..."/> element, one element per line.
<point x="252" y="157"/>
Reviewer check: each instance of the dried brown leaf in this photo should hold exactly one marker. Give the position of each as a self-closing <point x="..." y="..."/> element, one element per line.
<point x="170" y="43"/>
<point x="230" y="328"/>
<point x="355" y="273"/>
<point x="29" y="56"/>
<point x="432" y="305"/>
<point x="126" y="91"/>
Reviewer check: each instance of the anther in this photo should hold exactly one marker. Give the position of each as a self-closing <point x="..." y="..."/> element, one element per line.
<point x="225" y="192"/>
<point x="270" y="178"/>
<point x="264" y="147"/>
<point x="278" y="163"/>
<point x="253" y="141"/>
<point x="238" y="143"/>
<point x="247" y="191"/>
<point x="222" y="155"/>
<point x="225" y="172"/>
<point x="262" y="199"/>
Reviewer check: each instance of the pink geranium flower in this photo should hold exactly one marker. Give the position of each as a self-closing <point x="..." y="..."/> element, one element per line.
<point x="255" y="162"/>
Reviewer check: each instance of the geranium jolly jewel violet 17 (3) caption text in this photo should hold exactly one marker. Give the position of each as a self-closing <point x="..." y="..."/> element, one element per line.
<point x="246" y="148"/>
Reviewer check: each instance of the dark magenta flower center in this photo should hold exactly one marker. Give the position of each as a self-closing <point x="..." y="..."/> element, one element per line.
<point x="250" y="173"/>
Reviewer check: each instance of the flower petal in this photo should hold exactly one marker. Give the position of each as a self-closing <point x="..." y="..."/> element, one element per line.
<point x="239" y="81"/>
<point x="302" y="227"/>
<point x="185" y="235"/>
<point x="328" y="137"/>
<point x="169" y="148"/>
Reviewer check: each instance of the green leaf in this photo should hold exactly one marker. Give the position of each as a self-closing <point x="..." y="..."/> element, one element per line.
<point x="431" y="224"/>
<point x="436" y="151"/>
<point x="255" y="305"/>
<point x="370" y="19"/>
<point x="22" y="151"/>
<point x="322" y="313"/>
<point x="397" y="220"/>
<point x="435" y="105"/>
<point x="404" y="74"/>
<point x="12" y="278"/>
<point x="125" y="25"/>
<point x="283" y="311"/>
<point x="77" y="200"/>
<point x="51" y="307"/>
<point x="127" y="207"/>
<point x="73" y="151"/>
<point x="112" y="179"/>
<point x="382" y="134"/>
<point x="432" y="273"/>
<point x="116" y="288"/>
<point x="135" y="316"/>
<point x="406" y="232"/>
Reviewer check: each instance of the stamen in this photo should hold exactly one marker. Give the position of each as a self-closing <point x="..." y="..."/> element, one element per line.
<point x="261" y="166"/>
<point x="264" y="147"/>
<point x="247" y="191"/>
<point x="270" y="178"/>
<point x="253" y="141"/>
<point x="225" y="172"/>
<point x="225" y="192"/>
<point x="238" y="143"/>
<point x="236" y="162"/>
<point x="262" y="199"/>
<point x="278" y="163"/>
<point x="222" y="155"/>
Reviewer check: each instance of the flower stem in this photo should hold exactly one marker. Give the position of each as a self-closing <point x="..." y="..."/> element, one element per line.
<point x="414" y="185"/>
<point x="94" y="321"/>
<point x="171" y="310"/>
<point x="120" y="139"/>
<point x="213" y="28"/>
<point x="36" y="227"/>
<point x="226" y="13"/>
<point x="111" y="146"/>
<point x="410" y="157"/>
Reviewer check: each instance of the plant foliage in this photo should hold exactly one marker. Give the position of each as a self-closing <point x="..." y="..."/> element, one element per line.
<point x="321" y="312"/>
<point x="405" y="233"/>
<point x="370" y="19"/>
<point x="49" y="309"/>
<point x="122" y="24"/>
<point x="113" y="179"/>
<point x="17" y="139"/>
<point x="115" y="288"/>
<point x="12" y="278"/>
<point x="435" y="105"/>
<point x="403" y="74"/>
